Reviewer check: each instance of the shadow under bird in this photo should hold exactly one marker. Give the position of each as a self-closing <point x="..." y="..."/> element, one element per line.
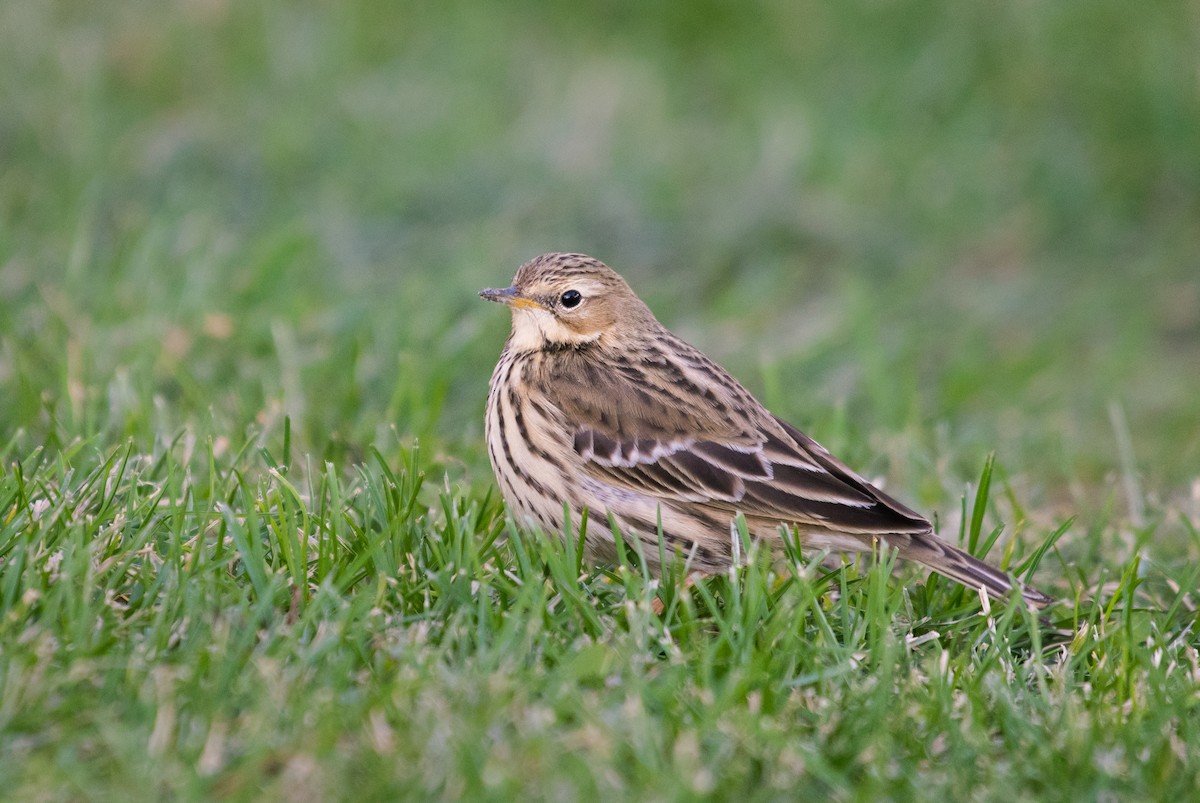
<point x="595" y="405"/>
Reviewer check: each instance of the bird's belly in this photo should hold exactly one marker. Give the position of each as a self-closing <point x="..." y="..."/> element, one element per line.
<point x="648" y="522"/>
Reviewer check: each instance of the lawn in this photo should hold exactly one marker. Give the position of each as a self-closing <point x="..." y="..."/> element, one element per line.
<point x="250" y="544"/>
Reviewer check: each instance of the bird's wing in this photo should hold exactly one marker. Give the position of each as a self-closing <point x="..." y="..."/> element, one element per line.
<point x="703" y="439"/>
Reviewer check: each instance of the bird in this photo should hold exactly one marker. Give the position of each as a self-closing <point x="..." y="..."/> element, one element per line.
<point x="595" y="409"/>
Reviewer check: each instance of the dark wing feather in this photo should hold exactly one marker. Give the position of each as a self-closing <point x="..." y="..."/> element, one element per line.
<point x="893" y="517"/>
<point x="720" y="449"/>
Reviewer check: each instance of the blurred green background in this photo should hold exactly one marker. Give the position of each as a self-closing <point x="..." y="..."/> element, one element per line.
<point x="923" y="230"/>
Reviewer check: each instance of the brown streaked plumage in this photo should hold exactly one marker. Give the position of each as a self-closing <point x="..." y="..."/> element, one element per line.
<point x="596" y="405"/>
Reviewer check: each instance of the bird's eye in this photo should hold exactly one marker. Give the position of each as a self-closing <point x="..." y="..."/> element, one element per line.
<point x="571" y="298"/>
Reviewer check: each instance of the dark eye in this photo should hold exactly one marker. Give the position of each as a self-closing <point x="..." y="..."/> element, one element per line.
<point x="571" y="298"/>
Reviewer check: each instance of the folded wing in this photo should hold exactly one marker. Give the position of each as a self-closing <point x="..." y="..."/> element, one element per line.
<point x="730" y="455"/>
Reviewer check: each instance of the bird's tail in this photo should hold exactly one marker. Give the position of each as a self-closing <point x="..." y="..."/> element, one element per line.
<point x="954" y="563"/>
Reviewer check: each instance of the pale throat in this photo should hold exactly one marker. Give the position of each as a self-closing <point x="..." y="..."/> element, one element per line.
<point x="534" y="329"/>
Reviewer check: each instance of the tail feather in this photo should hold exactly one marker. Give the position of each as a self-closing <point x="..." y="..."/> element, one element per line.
<point x="956" y="564"/>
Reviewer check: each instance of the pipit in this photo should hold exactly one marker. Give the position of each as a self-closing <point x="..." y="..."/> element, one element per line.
<point x="594" y="406"/>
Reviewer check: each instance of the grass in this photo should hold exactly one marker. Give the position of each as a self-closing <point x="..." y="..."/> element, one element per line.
<point x="250" y="546"/>
<point x="238" y="637"/>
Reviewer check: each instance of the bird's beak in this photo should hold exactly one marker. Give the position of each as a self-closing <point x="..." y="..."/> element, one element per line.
<point x="510" y="296"/>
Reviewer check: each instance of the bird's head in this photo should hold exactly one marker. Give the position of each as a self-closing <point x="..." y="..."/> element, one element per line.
<point x="563" y="301"/>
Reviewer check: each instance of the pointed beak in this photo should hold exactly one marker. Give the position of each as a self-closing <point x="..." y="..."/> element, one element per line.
<point x="510" y="296"/>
